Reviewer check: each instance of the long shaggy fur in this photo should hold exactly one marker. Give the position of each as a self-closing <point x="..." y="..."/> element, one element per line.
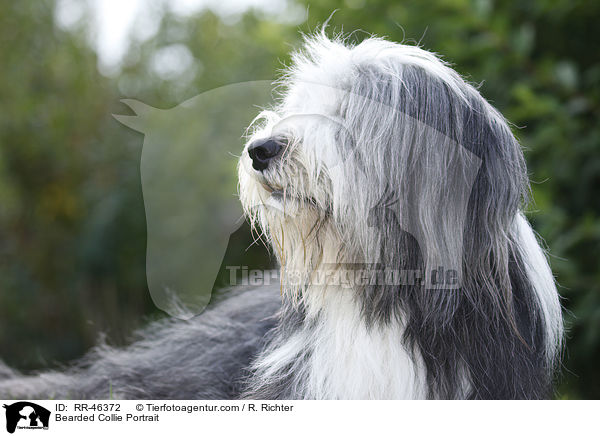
<point x="204" y="358"/>
<point x="391" y="162"/>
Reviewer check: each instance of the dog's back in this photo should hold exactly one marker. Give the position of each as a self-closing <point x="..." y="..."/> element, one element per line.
<point x="203" y="358"/>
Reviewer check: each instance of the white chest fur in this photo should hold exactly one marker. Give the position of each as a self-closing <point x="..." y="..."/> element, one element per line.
<point x="351" y="361"/>
<point x="343" y="358"/>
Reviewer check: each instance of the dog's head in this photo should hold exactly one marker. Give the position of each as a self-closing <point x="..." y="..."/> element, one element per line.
<point x="379" y="153"/>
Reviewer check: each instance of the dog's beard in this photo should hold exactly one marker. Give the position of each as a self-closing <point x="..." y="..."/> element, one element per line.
<point x="289" y="209"/>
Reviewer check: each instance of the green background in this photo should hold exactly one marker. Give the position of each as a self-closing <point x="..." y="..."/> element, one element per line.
<point x="72" y="225"/>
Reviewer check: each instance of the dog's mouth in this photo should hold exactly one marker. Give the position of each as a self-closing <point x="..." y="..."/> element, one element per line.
<point x="280" y="195"/>
<point x="284" y="196"/>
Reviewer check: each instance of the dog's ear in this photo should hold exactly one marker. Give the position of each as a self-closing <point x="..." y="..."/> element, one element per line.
<point x="459" y="180"/>
<point x="499" y="191"/>
<point x="408" y="149"/>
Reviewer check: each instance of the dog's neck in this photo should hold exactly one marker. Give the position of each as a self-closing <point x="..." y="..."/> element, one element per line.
<point x="325" y="348"/>
<point x="352" y="359"/>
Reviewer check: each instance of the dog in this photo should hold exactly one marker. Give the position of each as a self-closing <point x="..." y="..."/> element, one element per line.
<point x="385" y="172"/>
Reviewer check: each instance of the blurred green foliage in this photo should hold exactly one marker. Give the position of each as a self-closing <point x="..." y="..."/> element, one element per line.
<point x="72" y="227"/>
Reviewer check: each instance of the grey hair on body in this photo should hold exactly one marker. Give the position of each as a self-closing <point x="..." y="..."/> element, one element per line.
<point x="205" y="357"/>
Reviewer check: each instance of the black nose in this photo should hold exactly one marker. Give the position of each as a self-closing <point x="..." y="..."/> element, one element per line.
<point x="262" y="151"/>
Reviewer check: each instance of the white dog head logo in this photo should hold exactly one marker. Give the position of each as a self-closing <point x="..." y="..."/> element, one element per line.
<point x="189" y="186"/>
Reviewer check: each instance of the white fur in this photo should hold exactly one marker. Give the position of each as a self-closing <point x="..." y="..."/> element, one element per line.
<point x="543" y="282"/>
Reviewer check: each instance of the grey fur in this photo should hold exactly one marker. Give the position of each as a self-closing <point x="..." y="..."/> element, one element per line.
<point x="203" y="358"/>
